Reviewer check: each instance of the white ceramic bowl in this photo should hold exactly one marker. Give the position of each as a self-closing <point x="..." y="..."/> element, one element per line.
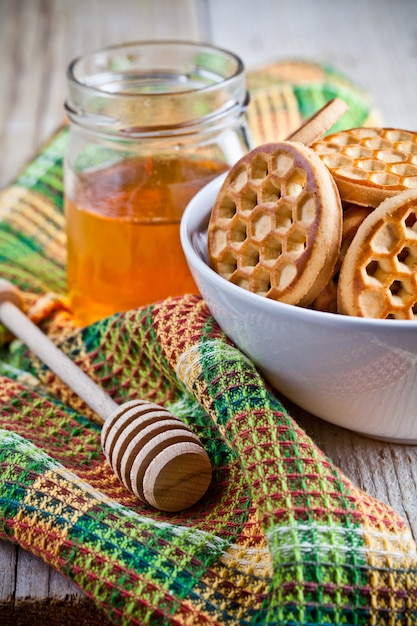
<point x="354" y="372"/>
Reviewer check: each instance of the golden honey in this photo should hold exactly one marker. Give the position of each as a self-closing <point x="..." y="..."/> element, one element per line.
<point x="123" y="237"/>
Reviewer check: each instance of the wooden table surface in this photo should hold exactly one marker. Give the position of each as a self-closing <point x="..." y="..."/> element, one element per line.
<point x="372" y="41"/>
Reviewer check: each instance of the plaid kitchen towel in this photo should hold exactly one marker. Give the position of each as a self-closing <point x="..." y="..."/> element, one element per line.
<point x="281" y="537"/>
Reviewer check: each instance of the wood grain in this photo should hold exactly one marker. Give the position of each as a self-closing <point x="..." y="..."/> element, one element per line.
<point x="372" y="41"/>
<point x="38" y="38"/>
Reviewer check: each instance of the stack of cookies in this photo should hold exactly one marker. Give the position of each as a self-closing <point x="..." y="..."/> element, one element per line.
<point x="375" y="170"/>
<point x="323" y="222"/>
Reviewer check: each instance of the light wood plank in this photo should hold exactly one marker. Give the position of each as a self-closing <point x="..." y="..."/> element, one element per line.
<point x="371" y="41"/>
<point x="7" y="572"/>
<point x="32" y="577"/>
<point x="38" y="39"/>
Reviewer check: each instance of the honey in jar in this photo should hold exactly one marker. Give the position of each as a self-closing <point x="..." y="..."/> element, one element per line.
<point x="151" y="123"/>
<point x="123" y="238"/>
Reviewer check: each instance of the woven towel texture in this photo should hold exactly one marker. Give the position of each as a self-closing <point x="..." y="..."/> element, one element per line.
<point x="281" y="537"/>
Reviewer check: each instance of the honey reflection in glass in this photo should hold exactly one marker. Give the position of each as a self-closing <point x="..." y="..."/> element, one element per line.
<point x="123" y="239"/>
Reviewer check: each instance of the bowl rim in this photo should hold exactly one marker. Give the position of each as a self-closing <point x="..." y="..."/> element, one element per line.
<point x="195" y="219"/>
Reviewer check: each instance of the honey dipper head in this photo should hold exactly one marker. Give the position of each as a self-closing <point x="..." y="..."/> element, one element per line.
<point x="275" y="228"/>
<point x="156" y="456"/>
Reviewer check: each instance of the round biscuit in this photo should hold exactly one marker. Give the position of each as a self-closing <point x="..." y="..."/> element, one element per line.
<point x="275" y="228"/>
<point x="370" y="164"/>
<point x="378" y="276"/>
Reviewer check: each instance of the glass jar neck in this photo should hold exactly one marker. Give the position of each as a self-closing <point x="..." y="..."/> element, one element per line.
<point x="153" y="88"/>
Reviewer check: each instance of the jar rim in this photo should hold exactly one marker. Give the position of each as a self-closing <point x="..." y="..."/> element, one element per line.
<point x="151" y="84"/>
<point x="160" y="44"/>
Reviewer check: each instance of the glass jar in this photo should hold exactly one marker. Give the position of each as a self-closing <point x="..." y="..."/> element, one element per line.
<point x="151" y="123"/>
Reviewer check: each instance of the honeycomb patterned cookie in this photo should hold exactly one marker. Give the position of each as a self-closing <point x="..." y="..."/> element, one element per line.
<point x="353" y="217"/>
<point x="378" y="277"/>
<point x="370" y="164"/>
<point x="275" y="228"/>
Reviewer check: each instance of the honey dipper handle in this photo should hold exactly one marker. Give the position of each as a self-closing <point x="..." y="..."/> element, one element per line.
<point x="22" y="327"/>
<point x="319" y="123"/>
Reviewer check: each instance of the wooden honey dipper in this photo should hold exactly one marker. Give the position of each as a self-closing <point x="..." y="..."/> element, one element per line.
<point x="154" y="454"/>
